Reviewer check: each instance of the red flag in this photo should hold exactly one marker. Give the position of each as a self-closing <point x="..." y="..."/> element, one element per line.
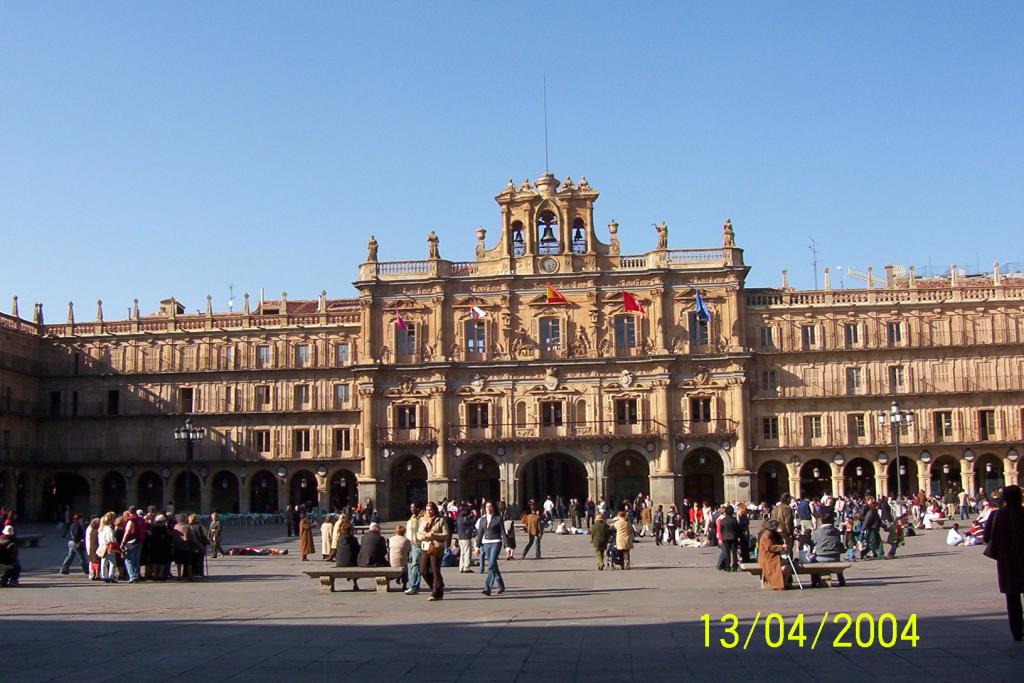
<point x="555" y="297"/>
<point x="630" y="303"/>
<point x="400" y="321"/>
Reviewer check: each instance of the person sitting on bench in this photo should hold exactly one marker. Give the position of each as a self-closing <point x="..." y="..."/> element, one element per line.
<point x="827" y="544"/>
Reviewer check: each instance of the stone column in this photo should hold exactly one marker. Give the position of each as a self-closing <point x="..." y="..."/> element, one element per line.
<point x="283" y="499"/>
<point x="1010" y="472"/>
<point x="368" y="439"/>
<point x="880" y="485"/>
<point x="967" y="476"/>
<point x="323" y="498"/>
<point x="244" y="496"/>
<point x="439" y="485"/>
<point x="740" y="455"/>
<point x="131" y="493"/>
<point x="205" y="495"/>
<point x="924" y="479"/>
<point x="838" y="481"/>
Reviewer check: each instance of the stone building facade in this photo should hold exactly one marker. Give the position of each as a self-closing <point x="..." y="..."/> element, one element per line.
<point x="466" y="379"/>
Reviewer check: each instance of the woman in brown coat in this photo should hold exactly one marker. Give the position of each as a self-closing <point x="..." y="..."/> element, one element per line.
<point x="305" y="537"/>
<point x="770" y="547"/>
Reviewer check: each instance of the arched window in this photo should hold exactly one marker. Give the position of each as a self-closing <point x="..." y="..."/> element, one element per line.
<point x="579" y="237"/>
<point x="547" y="234"/>
<point x="518" y="239"/>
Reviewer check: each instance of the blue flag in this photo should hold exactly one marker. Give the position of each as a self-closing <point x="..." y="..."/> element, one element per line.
<point x="701" y="308"/>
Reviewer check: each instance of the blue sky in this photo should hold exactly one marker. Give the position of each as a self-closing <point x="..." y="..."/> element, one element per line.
<point x="158" y="149"/>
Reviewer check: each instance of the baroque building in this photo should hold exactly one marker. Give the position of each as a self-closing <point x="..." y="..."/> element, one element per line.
<point x="469" y="379"/>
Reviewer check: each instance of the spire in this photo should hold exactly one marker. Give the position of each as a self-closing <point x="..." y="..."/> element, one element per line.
<point x="785" y="279"/>
<point x="954" y="276"/>
<point x="71" y="313"/>
<point x="37" y="314"/>
<point x="322" y="304"/>
<point x="245" y="304"/>
<point x="997" y="277"/>
<point x="99" y="310"/>
<point x="209" y="305"/>
<point x="135" y="309"/>
<point x="284" y="303"/>
<point x="14" y="306"/>
<point x="828" y="279"/>
<point x="912" y="279"/>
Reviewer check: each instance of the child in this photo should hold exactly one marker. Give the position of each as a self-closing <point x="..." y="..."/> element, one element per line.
<point x="850" y="540"/>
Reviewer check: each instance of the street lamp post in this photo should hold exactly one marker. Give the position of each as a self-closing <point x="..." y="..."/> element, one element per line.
<point x="190" y="434"/>
<point x="895" y="417"/>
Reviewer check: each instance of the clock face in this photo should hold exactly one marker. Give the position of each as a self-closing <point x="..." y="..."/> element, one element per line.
<point x="548" y="265"/>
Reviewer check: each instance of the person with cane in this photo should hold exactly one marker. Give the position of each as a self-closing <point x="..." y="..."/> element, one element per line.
<point x="771" y="549"/>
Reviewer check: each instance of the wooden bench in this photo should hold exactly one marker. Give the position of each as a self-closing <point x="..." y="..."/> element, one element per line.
<point x="383" y="575"/>
<point x="27" y="540"/>
<point x="823" y="571"/>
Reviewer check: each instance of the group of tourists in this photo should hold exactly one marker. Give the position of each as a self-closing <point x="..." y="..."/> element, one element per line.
<point x="141" y="545"/>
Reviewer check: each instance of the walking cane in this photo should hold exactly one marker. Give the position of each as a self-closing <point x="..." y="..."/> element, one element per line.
<point x="795" y="575"/>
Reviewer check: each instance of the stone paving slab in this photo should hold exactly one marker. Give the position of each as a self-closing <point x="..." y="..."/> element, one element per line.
<point x="259" y="618"/>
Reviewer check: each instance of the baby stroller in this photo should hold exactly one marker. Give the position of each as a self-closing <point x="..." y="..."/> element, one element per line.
<point x="614" y="557"/>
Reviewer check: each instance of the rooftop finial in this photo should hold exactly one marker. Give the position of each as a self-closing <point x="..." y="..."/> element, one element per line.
<point x="209" y="304"/>
<point x="245" y="303"/>
<point x="14" y="305"/>
<point x="99" y="310"/>
<point x="71" y="313"/>
<point x="135" y="309"/>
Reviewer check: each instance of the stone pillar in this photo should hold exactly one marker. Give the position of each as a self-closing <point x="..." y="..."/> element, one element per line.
<point x="169" y="491"/>
<point x="1009" y="472"/>
<point x="283" y="499"/>
<point x="367" y="440"/>
<point x="131" y="493"/>
<point x="880" y="484"/>
<point x="740" y="455"/>
<point x="205" y="495"/>
<point x="664" y="466"/>
<point x="924" y="479"/>
<point x="838" y="481"/>
<point x="660" y="334"/>
<point x="439" y="417"/>
<point x="96" y="493"/>
<point x="244" y="497"/>
<point x="967" y="476"/>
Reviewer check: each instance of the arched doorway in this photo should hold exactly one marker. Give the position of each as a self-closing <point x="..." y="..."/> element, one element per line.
<point x="114" y="492"/>
<point x="479" y="478"/>
<point x="64" y="489"/>
<point x="988" y="473"/>
<point x="224" y="494"/>
<point x="627" y="476"/>
<point x="945" y="475"/>
<point x="187" y="492"/>
<point x="344" y="490"/>
<point x="859" y="478"/>
<point x="704" y="477"/>
<point x="263" y="493"/>
<point x="151" y="491"/>
<point x="815" y="479"/>
<point x="773" y="481"/>
<point x="907" y="482"/>
<point x="551" y="474"/>
<point x="408" y="485"/>
<point x="303" y="490"/>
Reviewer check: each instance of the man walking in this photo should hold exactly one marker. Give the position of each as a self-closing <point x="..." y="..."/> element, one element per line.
<point x="464" y="530"/>
<point x="535" y="528"/>
<point x="215" y="534"/>
<point x="729" y="533"/>
<point x="659" y="523"/>
<point x="599" y="536"/>
<point x="872" y="525"/>
<point x="412" y="532"/>
<point x="76" y="546"/>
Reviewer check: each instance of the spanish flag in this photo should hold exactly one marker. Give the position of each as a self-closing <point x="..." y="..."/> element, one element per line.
<point x="555" y="297"/>
<point x="630" y="303"/>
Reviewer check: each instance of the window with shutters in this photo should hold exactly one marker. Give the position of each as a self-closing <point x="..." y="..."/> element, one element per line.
<point x="342" y="353"/>
<point x="342" y="395"/>
<point x="186" y="398"/>
<point x="405" y="340"/>
<point x="894" y="333"/>
<point x="550" y="333"/>
<point x="808" y="337"/>
<point x="551" y="413"/>
<point x="854" y="380"/>
<point x="478" y="415"/>
<point x="263" y="356"/>
<point x="767" y="338"/>
<point x="303" y="357"/>
<point x="770" y="428"/>
<point x="261" y="440"/>
<point x="700" y="409"/>
<point x="699" y="332"/>
<point x="300" y="440"/>
<point x="476" y="337"/>
<point x="301" y="396"/>
<point x="769" y="381"/>
<point x="405" y="417"/>
<point x="626" y="411"/>
<point x="896" y="382"/>
<point x="986" y="425"/>
<point x="943" y="423"/>
<point x="851" y="333"/>
<point x="343" y="439"/>
<point x="625" y="331"/>
<point x="263" y="396"/>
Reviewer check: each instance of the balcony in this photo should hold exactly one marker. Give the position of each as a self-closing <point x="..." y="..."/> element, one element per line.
<point x="717" y="428"/>
<point x="398" y="436"/>
<point x="537" y="431"/>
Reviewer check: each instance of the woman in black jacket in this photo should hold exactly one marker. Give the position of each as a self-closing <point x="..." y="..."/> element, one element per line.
<point x="348" y="548"/>
<point x="1004" y="534"/>
<point x="490" y="537"/>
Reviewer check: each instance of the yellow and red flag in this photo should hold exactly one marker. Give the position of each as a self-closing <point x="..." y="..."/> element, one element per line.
<point x="555" y="297"/>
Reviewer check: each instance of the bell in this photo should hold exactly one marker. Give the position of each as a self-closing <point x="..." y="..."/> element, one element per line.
<point x="517" y="237"/>
<point x="578" y="234"/>
<point x="549" y="236"/>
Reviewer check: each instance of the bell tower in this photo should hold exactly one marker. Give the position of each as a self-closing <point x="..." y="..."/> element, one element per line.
<point x="548" y="226"/>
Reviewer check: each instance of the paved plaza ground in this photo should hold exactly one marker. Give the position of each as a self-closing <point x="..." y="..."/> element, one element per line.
<point x="259" y="618"/>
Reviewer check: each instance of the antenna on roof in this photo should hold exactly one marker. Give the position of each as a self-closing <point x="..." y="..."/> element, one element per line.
<point x="546" y="167"/>
<point x="813" y="246"/>
<point x="231" y="298"/>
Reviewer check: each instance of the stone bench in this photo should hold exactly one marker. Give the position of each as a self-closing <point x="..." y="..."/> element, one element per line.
<point x="28" y="540"/>
<point x="383" y="575"/>
<point x="822" y="570"/>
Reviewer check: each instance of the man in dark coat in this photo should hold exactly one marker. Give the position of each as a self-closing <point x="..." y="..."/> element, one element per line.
<point x="1004" y="534"/>
<point x="600" y="535"/>
<point x="348" y="548"/>
<point x="76" y="546"/>
<point x="729" y="534"/>
<point x="872" y="531"/>
<point x="373" y="551"/>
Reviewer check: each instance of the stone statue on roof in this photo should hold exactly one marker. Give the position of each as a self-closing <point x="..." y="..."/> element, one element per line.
<point x="434" y="251"/>
<point x="372" y="249"/>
